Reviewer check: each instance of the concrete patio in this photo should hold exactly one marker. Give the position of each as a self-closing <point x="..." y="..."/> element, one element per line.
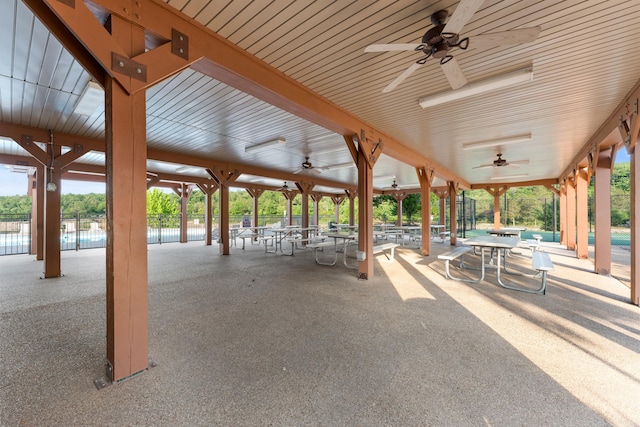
<point x="260" y="339"/>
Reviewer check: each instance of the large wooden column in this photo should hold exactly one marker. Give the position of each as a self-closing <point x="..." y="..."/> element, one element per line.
<point x="453" y="214"/>
<point x="582" y="215"/>
<point x="563" y="213"/>
<point x="208" y="190"/>
<point x="126" y="184"/>
<point x="635" y="227"/>
<point x="425" y="177"/>
<point x="52" y="212"/>
<point x="224" y="179"/>
<point x="36" y="191"/>
<point x="602" y="211"/>
<point x="184" y="192"/>
<point x="571" y="214"/>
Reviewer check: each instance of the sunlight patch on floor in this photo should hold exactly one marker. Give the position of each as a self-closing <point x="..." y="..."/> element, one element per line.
<point x="565" y="350"/>
<point x="403" y="281"/>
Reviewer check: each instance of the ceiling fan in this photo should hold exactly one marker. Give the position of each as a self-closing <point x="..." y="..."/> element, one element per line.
<point x="393" y="186"/>
<point x="285" y="187"/>
<point x="500" y="163"/>
<point x="307" y="166"/>
<point x="440" y="40"/>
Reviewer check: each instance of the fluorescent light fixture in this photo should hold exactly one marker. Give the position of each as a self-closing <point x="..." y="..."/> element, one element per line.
<point x="340" y="166"/>
<point x="497" y="142"/>
<point x="476" y="88"/>
<point x="322" y="137"/>
<point x="497" y="178"/>
<point x="261" y="145"/>
<point x="92" y="97"/>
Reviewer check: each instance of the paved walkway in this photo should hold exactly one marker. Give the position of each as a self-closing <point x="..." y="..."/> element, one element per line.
<point x="259" y="339"/>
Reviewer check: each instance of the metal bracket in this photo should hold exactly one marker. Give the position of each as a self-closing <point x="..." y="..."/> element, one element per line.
<point x="128" y="67"/>
<point x="26" y="140"/>
<point x="179" y="44"/>
<point x="107" y="379"/>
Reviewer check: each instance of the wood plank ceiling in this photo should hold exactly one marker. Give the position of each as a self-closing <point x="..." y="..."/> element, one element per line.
<point x="584" y="62"/>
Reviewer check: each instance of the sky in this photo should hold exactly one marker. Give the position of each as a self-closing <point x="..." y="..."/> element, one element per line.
<point x="12" y="183"/>
<point x="15" y="184"/>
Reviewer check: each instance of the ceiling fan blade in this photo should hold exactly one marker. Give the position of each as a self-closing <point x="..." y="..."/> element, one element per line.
<point x="519" y="162"/>
<point x="391" y="86"/>
<point x="523" y="35"/>
<point x="390" y="47"/>
<point x="298" y="171"/>
<point x="488" y="165"/>
<point x="462" y="15"/>
<point x="454" y="74"/>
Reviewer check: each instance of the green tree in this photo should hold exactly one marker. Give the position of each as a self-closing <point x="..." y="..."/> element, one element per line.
<point x="411" y="206"/>
<point x="161" y="203"/>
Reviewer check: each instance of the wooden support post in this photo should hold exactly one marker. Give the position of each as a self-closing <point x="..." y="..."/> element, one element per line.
<point x="289" y="195"/>
<point x="425" y="177"/>
<point x="453" y="220"/>
<point x="563" y="214"/>
<point x="635" y="227"/>
<point x="36" y="191"/>
<point x="571" y="214"/>
<point x="255" y="194"/>
<point x="399" y="198"/>
<point x="602" y="212"/>
<point x="126" y="184"/>
<point x="316" y="197"/>
<point x="352" y="194"/>
<point x="305" y="189"/>
<point x="184" y="192"/>
<point x="367" y="154"/>
<point x="365" y="217"/>
<point x="208" y="190"/>
<point x="443" y="209"/>
<point x="582" y="215"/>
<point x="223" y="206"/>
<point x="337" y="200"/>
<point x="52" y="216"/>
<point x="224" y="178"/>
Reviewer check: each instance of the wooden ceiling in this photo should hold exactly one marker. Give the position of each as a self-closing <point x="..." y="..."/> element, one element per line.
<point x="584" y="63"/>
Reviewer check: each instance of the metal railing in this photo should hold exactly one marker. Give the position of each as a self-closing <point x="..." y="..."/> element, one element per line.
<point x="15" y="234"/>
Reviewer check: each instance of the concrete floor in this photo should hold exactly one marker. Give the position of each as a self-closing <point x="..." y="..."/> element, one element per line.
<point x="260" y="339"/>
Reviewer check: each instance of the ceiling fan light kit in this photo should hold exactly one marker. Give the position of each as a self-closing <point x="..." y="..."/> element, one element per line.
<point x="497" y="142"/>
<point x="262" y="145"/>
<point x="494" y="83"/>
